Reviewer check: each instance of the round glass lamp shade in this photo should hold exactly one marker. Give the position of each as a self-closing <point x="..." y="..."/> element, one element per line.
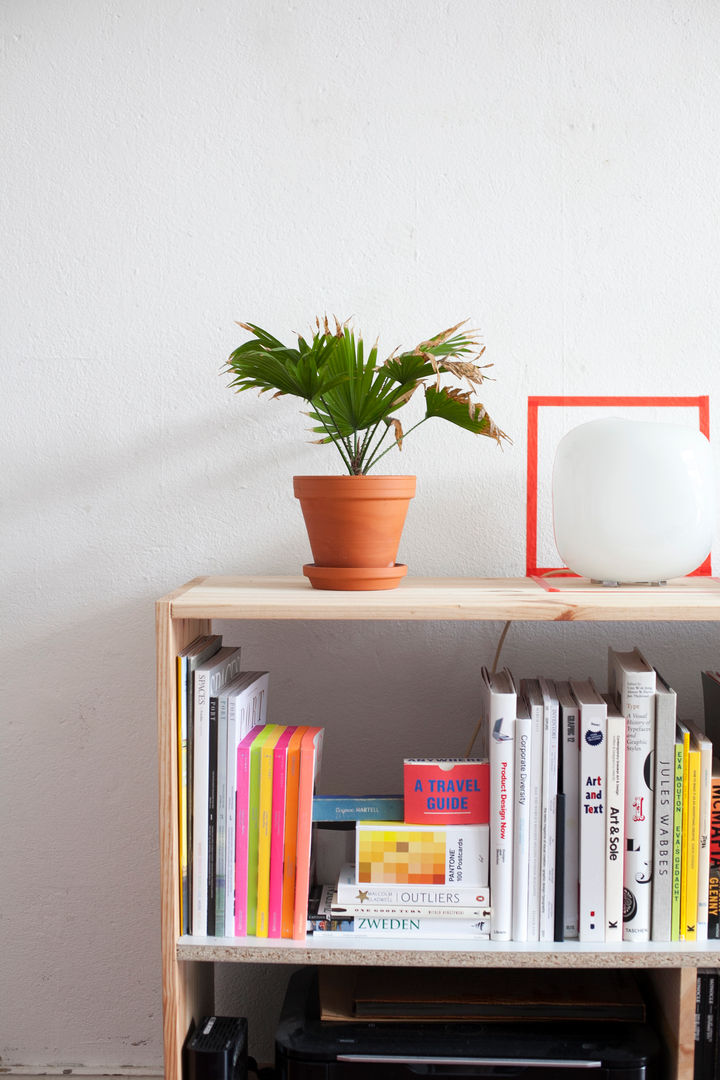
<point x="633" y="500"/>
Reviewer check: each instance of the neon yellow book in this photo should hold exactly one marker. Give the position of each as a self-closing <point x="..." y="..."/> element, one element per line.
<point x="269" y="731"/>
<point x="679" y="782"/>
<point x="267" y="752"/>
<point x="685" y="738"/>
<point x="693" y="844"/>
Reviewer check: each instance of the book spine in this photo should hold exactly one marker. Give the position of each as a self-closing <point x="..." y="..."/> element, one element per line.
<point x="700" y="1006"/>
<point x="437" y="899"/>
<point x="705" y="786"/>
<point x="212" y="815"/>
<point x="535" y="822"/>
<point x="570" y="771"/>
<point x="560" y="804"/>
<point x="710" y="1025"/>
<point x="242" y="823"/>
<point x="501" y="738"/>
<point x="614" y="826"/>
<point x="677" y="849"/>
<point x="419" y="927"/>
<point x="182" y="691"/>
<point x="688" y="931"/>
<point x="267" y="759"/>
<point x="714" y="874"/>
<point x="521" y="852"/>
<point x="230" y="799"/>
<point x="277" y="834"/>
<point x="593" y="742"/>
<point x="201" y="766"/>
<point x="222" y="819"/>
<point x="685" y="737"/>
<point x="663" y="817"/>
<point x="253" y="830"/>
<point x="360" y="808"/>
<point x="637" y="703"/>
<point x="339" y="911"/>
<point x="549" y="818"/>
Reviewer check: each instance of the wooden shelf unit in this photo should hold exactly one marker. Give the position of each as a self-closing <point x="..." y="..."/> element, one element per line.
<point x="187" y="963"/>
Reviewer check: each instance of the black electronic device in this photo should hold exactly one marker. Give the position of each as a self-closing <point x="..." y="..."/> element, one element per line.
<point x="217" y="1049"/>
<point x="308" y="1048"/>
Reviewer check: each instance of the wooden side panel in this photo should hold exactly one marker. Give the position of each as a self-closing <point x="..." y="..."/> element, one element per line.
<point x="187" y="986"/>
<point x="674" y="990"/>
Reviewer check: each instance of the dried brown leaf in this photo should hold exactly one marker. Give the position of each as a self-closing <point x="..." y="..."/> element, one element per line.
<point x="397" y="427"/>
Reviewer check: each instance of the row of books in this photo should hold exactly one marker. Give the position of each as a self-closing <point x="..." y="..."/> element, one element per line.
<point x="245" y="800"/>
<point x="600" y="809"/>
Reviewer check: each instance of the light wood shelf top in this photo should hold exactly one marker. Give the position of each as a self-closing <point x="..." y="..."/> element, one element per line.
<point x="449" y="952"/>
<point x="694" y="599"/>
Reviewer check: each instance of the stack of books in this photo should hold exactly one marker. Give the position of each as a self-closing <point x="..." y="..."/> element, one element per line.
<point x="423" y="877"/>
<point x="245" y="798"/>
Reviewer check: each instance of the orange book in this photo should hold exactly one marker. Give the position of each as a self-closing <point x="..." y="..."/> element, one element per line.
<point x="291" y="816"/>
<point x="310" y="756"/>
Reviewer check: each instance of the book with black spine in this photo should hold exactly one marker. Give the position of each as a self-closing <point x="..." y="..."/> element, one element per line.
<point x="568" y="783"/>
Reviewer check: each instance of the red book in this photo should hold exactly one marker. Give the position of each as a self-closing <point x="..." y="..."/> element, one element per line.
<point x="446" y="791"/>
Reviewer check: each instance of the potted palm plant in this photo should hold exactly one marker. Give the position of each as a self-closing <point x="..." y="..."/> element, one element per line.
<point x="354" y="520"/>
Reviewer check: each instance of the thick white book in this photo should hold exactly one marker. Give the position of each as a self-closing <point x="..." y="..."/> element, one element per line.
<point x="632" y="683"/>
<point x="548" y="809"/>
<point x="705" y="746"/>
<point x="245" y="707"/>
<point x="410" y="926"/>
<point x="568" y="782"/>
<point x="530" y="691"/>
<point x="499" y="705"/>
<point x="614" y="821"/>
<point x="435" y="898"/>
<point x="521" y="852"/>
<point x="664" y="795"/>
<point x="209" y="678"/>
<point x="593" y="772"/>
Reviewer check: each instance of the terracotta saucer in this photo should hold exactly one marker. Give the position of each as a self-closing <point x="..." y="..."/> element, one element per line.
<point x="354" y="578"/>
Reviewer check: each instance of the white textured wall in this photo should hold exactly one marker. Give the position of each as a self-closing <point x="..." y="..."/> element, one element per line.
<point x="549" y="170"/>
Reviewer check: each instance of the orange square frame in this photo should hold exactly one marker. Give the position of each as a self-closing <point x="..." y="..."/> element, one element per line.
<point x="702" y="404"/>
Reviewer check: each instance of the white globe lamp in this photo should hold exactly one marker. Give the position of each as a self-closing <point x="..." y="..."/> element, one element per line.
<point x="633" y="500"/>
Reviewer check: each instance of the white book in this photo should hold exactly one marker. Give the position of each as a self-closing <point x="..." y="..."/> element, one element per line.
<point x="705" y="746"/>
<point x="246" y="707"/>
<point x="410" y="926"/>
<point x="568" y="778"/>
<point x="499" y="705"/>
<point x="664" y="795"/>
<point x="549" y="809"/>
<point x="434" y="897"/>
<point x="593" y="771"/>
<point x="521" y="852"/>
<point x="614" y="821"/>
<point x="632" y="681"/>
<point x="530" y="690"/>
<point x="209" y="678"/>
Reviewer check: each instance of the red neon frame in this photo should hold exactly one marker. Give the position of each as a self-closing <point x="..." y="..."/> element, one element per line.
<point x="701" y="403"/>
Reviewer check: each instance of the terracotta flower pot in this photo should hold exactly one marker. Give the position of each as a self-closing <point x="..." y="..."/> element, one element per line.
<point x="354" y="522"/>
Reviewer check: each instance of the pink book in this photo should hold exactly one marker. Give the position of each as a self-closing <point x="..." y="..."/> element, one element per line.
<point x="310" y="754"/>
<point x="242" y="816"/>
<point x="277" y="832"/>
